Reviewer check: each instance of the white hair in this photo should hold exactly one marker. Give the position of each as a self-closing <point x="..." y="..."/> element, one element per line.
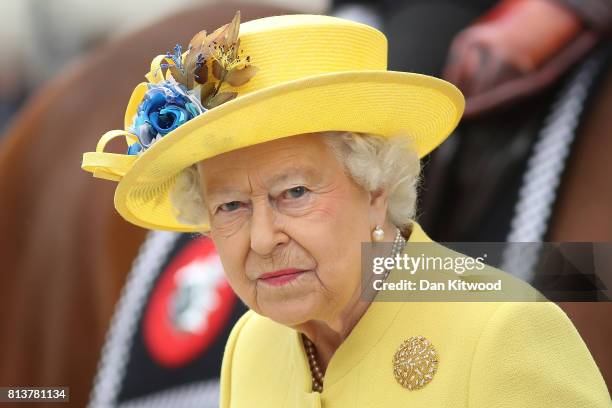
<point x="372" y="161"/>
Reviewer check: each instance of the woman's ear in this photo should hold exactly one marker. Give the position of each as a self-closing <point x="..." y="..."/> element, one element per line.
<point x="379" y="201"/>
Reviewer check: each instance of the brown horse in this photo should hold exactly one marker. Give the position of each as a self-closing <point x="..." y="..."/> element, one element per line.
<point x="583" y="212"/>
<point x="65" y="250"/>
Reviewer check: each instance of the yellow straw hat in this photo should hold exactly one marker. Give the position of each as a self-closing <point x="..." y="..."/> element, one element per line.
<point x="255" y="82"/>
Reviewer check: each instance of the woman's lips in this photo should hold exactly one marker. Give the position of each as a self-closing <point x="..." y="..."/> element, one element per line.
<point x="281" y="277"/>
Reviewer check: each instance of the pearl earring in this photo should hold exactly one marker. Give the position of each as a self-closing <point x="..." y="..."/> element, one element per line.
<point x="378" y="234"/>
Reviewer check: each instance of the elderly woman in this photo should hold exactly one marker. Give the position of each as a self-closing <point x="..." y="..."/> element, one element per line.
<point x="289" y="143"/>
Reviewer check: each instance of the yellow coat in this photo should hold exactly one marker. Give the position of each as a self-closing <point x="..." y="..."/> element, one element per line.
<point x="490" y="355"/>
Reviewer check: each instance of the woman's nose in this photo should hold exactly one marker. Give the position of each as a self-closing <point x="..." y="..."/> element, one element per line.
<point x="266" y="234"/>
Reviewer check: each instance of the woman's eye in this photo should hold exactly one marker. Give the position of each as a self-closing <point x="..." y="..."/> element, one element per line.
<point x="295" y="192"/>
<point x="231" y="206"/>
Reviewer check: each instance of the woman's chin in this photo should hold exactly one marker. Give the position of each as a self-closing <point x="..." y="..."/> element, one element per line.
<point x="289" y="318"/>
<point x="290" y="312"/>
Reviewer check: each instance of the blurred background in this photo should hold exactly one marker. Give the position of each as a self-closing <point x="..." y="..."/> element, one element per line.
<point x="40" y="38"/>
<point x="90" y="301"/>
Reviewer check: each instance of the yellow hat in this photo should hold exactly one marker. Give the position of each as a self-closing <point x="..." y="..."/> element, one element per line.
<point x="309" y="73"/>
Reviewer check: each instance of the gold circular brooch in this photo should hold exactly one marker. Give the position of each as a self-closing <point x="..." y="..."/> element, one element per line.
<point x="415" y="363"/>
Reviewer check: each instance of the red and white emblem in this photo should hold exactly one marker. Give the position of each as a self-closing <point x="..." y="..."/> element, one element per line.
<point x="189" y="306"/>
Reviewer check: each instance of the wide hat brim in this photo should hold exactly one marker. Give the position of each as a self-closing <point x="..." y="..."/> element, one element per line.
<point x="385" y="103"/>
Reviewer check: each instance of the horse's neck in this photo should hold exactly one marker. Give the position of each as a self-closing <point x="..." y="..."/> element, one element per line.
<point x="584" y="205"/>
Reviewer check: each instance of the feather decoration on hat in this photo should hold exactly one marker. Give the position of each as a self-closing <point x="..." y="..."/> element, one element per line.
<point x="189" y="90"/>
<point x="218" y="52"/>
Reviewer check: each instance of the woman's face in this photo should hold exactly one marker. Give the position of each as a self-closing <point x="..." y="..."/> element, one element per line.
<point x="288" y="223"/>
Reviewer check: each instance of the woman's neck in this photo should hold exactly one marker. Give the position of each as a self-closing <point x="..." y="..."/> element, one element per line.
<point x="328" y="335"/>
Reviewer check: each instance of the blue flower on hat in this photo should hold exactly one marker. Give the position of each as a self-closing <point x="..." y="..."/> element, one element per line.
<point x="165" y="106"/>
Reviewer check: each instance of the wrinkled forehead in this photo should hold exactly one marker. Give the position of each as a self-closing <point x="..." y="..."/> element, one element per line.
<point x="305" y="156"/>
